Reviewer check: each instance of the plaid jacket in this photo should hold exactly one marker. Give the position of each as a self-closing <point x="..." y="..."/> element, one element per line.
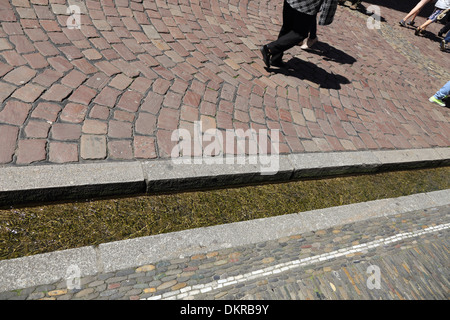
<point x="312" y="7"/>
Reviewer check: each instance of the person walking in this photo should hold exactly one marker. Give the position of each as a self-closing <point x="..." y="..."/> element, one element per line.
<point x="445" y="41"/>
<point x="442" y="32"/>
<point x="413" y="13"/>
<point x="298" y="17"/>
<point x="446" y="27"/>
<point x="440" y="6"/>
<point x="441" y="94"/>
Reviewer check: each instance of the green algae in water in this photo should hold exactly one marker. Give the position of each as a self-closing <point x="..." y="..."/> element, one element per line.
<point x="47" y="228"/>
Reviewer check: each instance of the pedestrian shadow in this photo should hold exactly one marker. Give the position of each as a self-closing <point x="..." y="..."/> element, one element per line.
<point x="330" y="53"/>
<point x="425" y="34"/>
<point x="430" y="36"/>
<point x="361" y="8"/>
<point x="305" y="70"/>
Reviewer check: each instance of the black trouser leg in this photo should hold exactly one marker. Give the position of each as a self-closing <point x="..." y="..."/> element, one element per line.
<point x="313" y="30"/>
<point x="296" y="26"/>
<point x="446" y="28"/>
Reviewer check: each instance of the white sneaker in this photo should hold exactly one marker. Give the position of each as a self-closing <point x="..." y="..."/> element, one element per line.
<point x="309" y="43"/>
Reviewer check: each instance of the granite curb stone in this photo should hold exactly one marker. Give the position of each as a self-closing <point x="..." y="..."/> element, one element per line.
<point x="77" y="181"/>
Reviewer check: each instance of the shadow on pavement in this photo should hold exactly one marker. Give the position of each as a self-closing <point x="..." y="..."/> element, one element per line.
<point x="330" y="53"/>
<point x="305" y="70"/>
<point x="431" y="36"/>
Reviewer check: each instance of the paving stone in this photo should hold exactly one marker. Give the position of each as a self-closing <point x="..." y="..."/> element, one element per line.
<point x="107" y="97"/>
<point x="60" y="152"/>
<point x="8" y="138"/>
<point x="4" y="68"/>
<point x="74" y="113"/>
<point x="47" y="78"/>
<point x="13" y="58"/>
<point x="130" y="101"/>
<point x="37" y="129"/>
<point x="28" y="93"/>
<point x="36" y="60"/>
<point x="22" y="44"/>
<point x="83" y="94"/>
<point x="15" y="112"/>
<point x="20" y="75"/>
<point x="74" y="79"/>
<point x="96" y="283"/>
<point x="65" y="131"/>
<point x="60" y="64"/>
<point x="107" y="67"/>
<point x="144" y="147"/>
<point x="120" y="149"/>
<point x="120" y="82"/>
<point x="93" y="147"/>
<point x="57" y="92"/>
<point x="99" y="112"/>
<point x="47" y="111"/>
<point x="32" y="150"/>
<point x="5" y="90"/>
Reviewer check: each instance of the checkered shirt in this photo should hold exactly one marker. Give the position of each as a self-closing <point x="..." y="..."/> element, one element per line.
<point x="312" y="7"/>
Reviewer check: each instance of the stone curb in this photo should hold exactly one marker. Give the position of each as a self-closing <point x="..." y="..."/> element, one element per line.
<point x="51" y="267"/>
<point x="19" y="185"/>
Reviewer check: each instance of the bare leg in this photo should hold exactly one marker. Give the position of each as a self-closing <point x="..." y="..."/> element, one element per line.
<point x="415" y="11"/>
<point x="426" y="24"/>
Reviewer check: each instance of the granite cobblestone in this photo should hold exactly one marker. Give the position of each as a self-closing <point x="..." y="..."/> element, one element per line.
<point x="160" y="70"/>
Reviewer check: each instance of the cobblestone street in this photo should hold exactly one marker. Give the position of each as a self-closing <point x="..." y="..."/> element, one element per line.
<point x="136" y="70"/>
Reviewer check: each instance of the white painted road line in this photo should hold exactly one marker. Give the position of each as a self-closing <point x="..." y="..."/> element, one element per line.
<point x="191" y="291"/>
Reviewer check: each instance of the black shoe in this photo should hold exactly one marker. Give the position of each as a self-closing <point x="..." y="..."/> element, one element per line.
<point x="402" y="23"/>
<point x="277" y="63"/>
<point x="411" y="23"/>
<point x="265" y="55"/>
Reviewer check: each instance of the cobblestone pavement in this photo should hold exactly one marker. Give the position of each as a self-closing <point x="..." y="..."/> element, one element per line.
<point x="390" y="258"/>
<point x="136" y="70"/>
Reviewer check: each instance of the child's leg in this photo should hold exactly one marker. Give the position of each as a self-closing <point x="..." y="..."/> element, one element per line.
<point x="426" y="24"/>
